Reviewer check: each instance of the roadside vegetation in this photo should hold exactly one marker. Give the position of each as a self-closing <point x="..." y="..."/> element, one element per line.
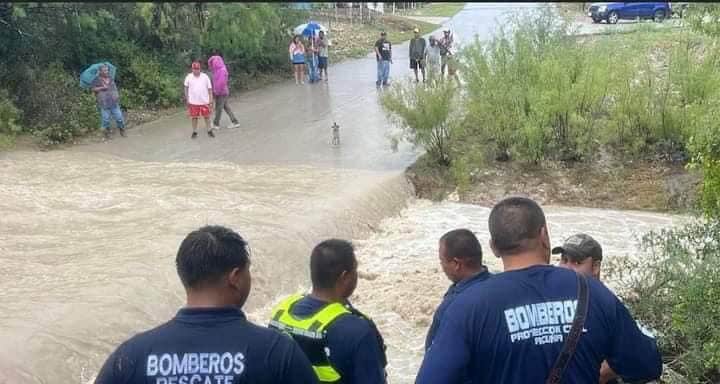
<point x="535" y="97"/>
<point x="436" y="10"/>
<point x="47" y="45"/>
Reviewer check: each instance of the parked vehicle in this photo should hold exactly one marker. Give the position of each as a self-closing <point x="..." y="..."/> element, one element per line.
<point x="613" y="12"/>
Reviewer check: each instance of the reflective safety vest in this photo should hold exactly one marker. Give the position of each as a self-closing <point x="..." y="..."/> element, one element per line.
<point x="311" y="333"/>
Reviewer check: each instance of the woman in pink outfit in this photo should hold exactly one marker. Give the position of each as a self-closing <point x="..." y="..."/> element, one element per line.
<point x="221" y="91"/>
<point x="297" y="57"/>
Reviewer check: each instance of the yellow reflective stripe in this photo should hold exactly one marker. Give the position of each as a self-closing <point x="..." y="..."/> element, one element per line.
<point x="326" y="373"/>
<point x="328" y="314"/>
<point x="324" y="317"/>
<point x="287" y="303"/>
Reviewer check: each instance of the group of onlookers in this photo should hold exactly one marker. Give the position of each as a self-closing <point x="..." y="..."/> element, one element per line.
<point x="433" y="58"/>
<point x="202" y="96"/>
<point x="531" y="323"/>
<point x="436" y="57"/>
<point x="309" y="56"/>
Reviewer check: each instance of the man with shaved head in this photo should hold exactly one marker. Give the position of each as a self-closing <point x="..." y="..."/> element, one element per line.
<point x="535" y="323"/>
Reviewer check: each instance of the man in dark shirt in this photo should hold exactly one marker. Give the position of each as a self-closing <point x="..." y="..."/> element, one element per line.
<point x="511" y="328"/>
<point x="342" y="344"/>
<point x="108" y="101"/>
<point x="383" y="55"/>
<point x="418" y="51"/>
<point x="210" y="341"/>
<point x="583" y="254"/>
<point x="460" y="256"/>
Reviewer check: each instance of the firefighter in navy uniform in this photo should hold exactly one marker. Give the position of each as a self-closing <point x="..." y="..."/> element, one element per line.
<point x="343" y="345"/>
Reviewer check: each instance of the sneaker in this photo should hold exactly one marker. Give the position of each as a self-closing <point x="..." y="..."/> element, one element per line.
<point x="302" y="82"/>
<point x="211" y="133"/>
<point x="106" y="134"/>
<point x="122" y="132"/>
<point x="234" y="125"/>
<point x="194" y="135"/>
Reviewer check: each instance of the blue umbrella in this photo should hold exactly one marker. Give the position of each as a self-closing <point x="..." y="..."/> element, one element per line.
<point x="309" y="29"/>
<point x="91" y="73"/>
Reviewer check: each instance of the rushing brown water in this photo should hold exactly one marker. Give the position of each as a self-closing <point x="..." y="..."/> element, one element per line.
<point x="88" y="243"/>
<point x="88" y="236"/>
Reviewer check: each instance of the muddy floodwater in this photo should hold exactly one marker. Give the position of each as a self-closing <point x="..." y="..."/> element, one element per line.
<point x="88" y="234"/>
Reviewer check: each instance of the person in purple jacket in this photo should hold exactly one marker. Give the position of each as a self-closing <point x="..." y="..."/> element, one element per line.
<point x="221" y="91"/>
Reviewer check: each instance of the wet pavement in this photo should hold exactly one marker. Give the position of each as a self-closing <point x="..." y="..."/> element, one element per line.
<point x="290" y="124"/>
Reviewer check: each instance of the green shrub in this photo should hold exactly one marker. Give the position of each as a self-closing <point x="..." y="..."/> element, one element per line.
<point x="675" y="288"/>
<point x="56" y="108"/>
<point x="152" y="86"/>
<point x="9" y="114"/>
<point x="428" y="115"/>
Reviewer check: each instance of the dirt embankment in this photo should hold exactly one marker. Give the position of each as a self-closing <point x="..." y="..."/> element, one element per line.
<point x="639" y="185"/>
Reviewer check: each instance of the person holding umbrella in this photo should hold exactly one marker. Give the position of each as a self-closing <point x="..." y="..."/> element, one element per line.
<point x="108" y="100"/>
<point x="311" y="59"/>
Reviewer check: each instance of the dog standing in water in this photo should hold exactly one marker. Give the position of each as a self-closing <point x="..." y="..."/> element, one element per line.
<point x="335" y="134"/>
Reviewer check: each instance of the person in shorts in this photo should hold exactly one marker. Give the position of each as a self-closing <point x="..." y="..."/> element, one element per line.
<point x="297" y="57"/>
<point x="323" y="43"/>
<point x="199" y="98"/>
<point x="418" y="51"/>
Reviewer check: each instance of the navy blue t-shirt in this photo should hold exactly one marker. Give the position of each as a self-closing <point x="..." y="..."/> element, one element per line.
<point x="452" y="292"/>
<point x="354" y="348"/>
<point x="208" y="345"/>
<point x="511" y="328"/>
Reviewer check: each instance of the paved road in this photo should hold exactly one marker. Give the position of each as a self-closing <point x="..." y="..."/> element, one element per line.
<point x="287" y="124"/>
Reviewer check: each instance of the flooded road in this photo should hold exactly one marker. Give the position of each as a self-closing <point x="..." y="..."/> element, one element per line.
<point x="88" y="235"/>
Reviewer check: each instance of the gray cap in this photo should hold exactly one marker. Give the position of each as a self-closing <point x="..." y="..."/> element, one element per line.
<point x="580" y="246"/>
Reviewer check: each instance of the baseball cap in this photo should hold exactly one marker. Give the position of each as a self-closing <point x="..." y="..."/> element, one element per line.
<point x="416" y="30"/>
<point x="196" y="65"/>
<point x="580" y="246"/>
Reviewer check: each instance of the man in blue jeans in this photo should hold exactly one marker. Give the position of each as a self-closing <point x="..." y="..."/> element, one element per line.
<point x="383" y="55"/>
<point x="108" y="100"/>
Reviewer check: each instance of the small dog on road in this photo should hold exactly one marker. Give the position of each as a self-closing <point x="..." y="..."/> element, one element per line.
<point x="335" y="134"/>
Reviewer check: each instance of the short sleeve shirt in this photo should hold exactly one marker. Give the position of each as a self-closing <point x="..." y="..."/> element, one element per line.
<point x="199" y="88"/>
<point x="385" y="49"/>
<point x="511" y="328"/>
<point x="109" y="97"/>
<point x="208" y="345"/>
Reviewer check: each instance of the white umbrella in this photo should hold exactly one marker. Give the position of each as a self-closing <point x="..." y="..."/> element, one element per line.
<point x="308" y="29"/>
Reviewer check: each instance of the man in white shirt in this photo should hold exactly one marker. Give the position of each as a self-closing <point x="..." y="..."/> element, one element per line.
<point x="198" y="97"/>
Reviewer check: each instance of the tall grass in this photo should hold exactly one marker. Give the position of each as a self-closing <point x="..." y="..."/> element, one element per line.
<point x="538" y="93"/>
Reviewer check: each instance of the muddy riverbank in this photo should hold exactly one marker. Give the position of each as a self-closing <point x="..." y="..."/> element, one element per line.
<point x="649" y="185"/>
